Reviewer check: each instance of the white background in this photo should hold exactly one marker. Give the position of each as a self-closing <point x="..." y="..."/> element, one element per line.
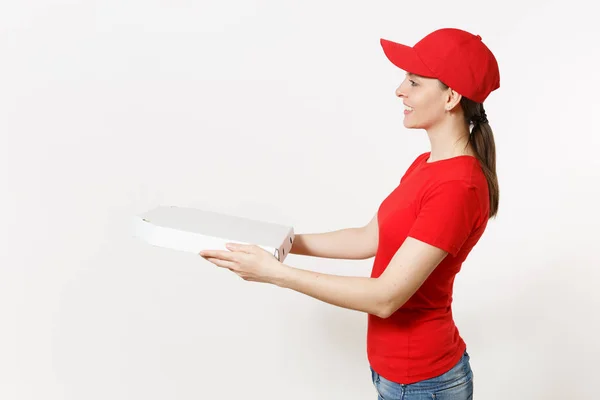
<point x="284" y="111"/>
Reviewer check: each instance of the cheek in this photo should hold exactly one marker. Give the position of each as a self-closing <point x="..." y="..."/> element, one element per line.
<point x="430" y="107"/>
<point x="420" y="97"/>
<point x="427" y="112"/>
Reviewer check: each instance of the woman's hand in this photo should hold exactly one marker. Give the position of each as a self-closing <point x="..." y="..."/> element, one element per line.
<point x="250" y="262"/>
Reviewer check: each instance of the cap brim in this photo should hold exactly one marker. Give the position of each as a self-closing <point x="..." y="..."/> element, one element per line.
<point x="405" y="58"/>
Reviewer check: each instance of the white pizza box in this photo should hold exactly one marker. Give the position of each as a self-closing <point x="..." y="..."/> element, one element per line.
<point x="193" y="230"/>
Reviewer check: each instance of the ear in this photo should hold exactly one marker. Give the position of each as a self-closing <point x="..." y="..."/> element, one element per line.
<point x="452" y="99"/>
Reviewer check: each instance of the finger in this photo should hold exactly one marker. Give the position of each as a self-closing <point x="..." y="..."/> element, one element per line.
<point x="245" y="248"/>
<point x="223" y="255"/>
<point x="222" y="263"/>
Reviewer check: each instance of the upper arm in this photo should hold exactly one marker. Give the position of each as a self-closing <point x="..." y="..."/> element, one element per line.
<point x="446" y="218"/>
<point x="409" y="268"/>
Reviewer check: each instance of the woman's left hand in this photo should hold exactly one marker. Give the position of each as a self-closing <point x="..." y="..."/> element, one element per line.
<point x="250" y="262"/>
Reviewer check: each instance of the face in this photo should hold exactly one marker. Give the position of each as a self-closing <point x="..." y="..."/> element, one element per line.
<point x="425" y="101"/>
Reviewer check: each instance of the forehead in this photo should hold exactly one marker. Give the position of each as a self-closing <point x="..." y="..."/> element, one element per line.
<point x="411" y="75"/>
<point x="422" y="79"/>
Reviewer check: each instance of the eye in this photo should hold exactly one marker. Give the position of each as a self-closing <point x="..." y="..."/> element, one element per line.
<point x="412" y="83"/>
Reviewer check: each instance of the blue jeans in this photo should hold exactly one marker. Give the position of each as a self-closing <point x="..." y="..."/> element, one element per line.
<point x="456" y="384"/>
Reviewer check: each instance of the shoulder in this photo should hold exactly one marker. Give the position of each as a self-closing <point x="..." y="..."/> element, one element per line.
<point x="467" y="177"/>
<point x="458" y="173"/>
<point x="461" y="167"/>
<point x="464" y="196"/>
<point x="447" y="214"/>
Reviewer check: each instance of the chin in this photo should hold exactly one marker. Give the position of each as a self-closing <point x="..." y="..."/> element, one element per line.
<point x="409" y="125"/>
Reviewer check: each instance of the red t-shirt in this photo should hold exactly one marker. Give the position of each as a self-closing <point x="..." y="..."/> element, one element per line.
<point x="443" y="203"/>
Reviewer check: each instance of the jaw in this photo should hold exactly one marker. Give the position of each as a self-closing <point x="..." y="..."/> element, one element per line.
<point x="408" y="121"/>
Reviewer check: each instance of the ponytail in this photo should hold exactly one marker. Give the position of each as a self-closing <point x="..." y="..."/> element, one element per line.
<point x="482" y="141"/>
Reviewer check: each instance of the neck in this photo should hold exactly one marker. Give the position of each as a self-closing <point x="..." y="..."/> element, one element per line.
<point x="449" y="139"/>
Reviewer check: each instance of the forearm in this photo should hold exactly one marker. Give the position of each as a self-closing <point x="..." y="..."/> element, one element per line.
<point x="355" y="293"/>
<point x="349" y="243"/>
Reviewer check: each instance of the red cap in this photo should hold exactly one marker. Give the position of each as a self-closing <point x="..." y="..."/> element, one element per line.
<point x="456" y="57"/>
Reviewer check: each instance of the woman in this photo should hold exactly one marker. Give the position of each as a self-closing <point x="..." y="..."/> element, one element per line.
<point x="422" y="232"/>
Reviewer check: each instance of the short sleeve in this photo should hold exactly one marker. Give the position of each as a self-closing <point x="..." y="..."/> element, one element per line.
<point x="447" y="216"/>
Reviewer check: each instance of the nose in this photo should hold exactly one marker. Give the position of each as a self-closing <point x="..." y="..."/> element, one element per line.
<point x="400" y="91"/>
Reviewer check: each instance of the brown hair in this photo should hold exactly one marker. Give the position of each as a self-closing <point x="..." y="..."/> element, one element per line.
<point x="482" y="141"/>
